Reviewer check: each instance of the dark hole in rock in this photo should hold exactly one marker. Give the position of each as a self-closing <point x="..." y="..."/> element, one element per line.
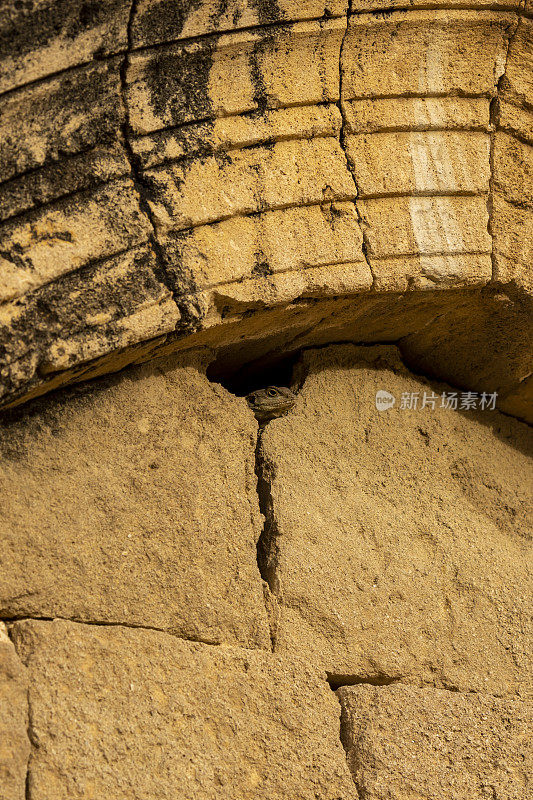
<point x="243" y="379"/>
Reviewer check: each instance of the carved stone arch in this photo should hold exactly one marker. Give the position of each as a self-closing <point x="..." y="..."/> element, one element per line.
<point x="262" y="175"/>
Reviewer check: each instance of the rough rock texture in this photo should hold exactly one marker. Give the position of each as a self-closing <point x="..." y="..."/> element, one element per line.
<point x="143" y="714"/>
<point x="408" y="743"/>
<point x="14" y="742"/>
<point x="398" y="543"/>
<point x="135" y="503"/>
<point x="239" y="157"/>
<point x="239" y="180"/>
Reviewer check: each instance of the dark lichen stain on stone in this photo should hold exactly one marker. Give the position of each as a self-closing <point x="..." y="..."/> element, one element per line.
<point x="165" y="19"/>
<point x="28" y="26"/>
<point x="92" y="91"/>
<point x="63" y="310"/>
<point x="178" y="82"/>
<point x="261" y="268"/>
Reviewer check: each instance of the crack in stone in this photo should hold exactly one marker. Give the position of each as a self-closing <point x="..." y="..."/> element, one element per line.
<point x="189" y="309"/>
<point x="342" y="141"/>
<point x="494" y="124"/>
<point x="267" y="547"/>
<point x="103" y="624"/>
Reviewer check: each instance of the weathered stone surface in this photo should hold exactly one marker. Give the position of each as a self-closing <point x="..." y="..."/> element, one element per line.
<point x="281" y="288"/>
<point x="232" y="133"/>
<point x="426" y="52"/>
<point x="247" y="181"/>
<point x="513" y="170"/>
<point x="434" y="241"/>
<point x="385" y="6"/>
<point x="519" y="71"/>
<point x="143" y="713"/>
<point x="289" y="240"/>
<point x="61" y="136"/>
<point x="14" y="743"/>
<point x="400" y="538"/>
<point x="512" y="228"/>
<point x="408" y="743"/>
<point x="59" y="118"/>
<point x="516" y="121"/>
<point x="417" y="114"/>
<point x="160" y="21"/>
<point x="63" y="236"/>
<point x="108" y="306"/>
<point x="47" y="36"/>
<point x="290" y="64"/>
<point x="416" y="162"/>
<point x="135" y="503"/>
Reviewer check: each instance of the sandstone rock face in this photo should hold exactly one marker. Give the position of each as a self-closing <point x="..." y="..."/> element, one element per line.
<point x="136" y="504"/>
<point x="14" y="743"/>
<point x="143" y="713"/>
<point x="231" y="187"/>
<point x="398" y="544"/>
<point x="465" y="746"/>
<point x="230" y="159"/>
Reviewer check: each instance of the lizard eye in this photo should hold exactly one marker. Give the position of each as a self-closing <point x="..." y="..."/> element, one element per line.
<point x="271" y="392"/>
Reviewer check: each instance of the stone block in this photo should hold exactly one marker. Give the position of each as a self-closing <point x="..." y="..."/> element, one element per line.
<point x="406" y="743"/>
<point x="14" y="742"/>
<point x="289" y="240"/>
<point x="417" y="114"/>
<point x="399" y="539"/>
<point x="197" y="140"/>
<point x="143" y="713"/>
<point x="512" y="228"/>
<point x="425" y="225"/>
<point x="420" y="162"/>
<point x="519" y="70"/>
<point x="513" y="170"/>
<point x="135" y="502"/>
<point x="82" y="316"/>
<point x="49" y="36"/>
<point x="234" y="73"/>
<point x="63" y="236"/>
<point x="426" y="52"/>
<point x="156" y="21"/>
<point x="60" y="118"/>
<point x="247" y="181"/>
<point x="516" y="121"/>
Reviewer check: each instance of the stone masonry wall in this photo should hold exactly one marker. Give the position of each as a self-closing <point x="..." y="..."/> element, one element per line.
<point x="198" y="198"/>
<point x="337" y="606"/>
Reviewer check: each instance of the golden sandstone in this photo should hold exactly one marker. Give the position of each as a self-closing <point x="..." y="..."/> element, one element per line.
<point x="200" y="199"/>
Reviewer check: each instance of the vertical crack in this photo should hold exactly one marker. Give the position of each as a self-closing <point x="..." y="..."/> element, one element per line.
<point x="267" y="547"/>
<point x="185" y="300"/>
<point x="342" y="141"/>
<point x="346" y="741"/>
<point x="494" y="122"/>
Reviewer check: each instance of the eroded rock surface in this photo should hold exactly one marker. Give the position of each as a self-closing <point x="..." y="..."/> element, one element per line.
<point x="398" y="543"/>
<point x="135" y="503"/>
<point x="409" y="743"/>
<point x="14" y="741"/>
<point x="144" y="713"/>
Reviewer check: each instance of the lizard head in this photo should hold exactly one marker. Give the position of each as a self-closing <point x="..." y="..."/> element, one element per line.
<point x="274" y="401"/>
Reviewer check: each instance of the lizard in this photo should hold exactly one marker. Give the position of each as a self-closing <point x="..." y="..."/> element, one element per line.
<point x="274" y="401"/>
